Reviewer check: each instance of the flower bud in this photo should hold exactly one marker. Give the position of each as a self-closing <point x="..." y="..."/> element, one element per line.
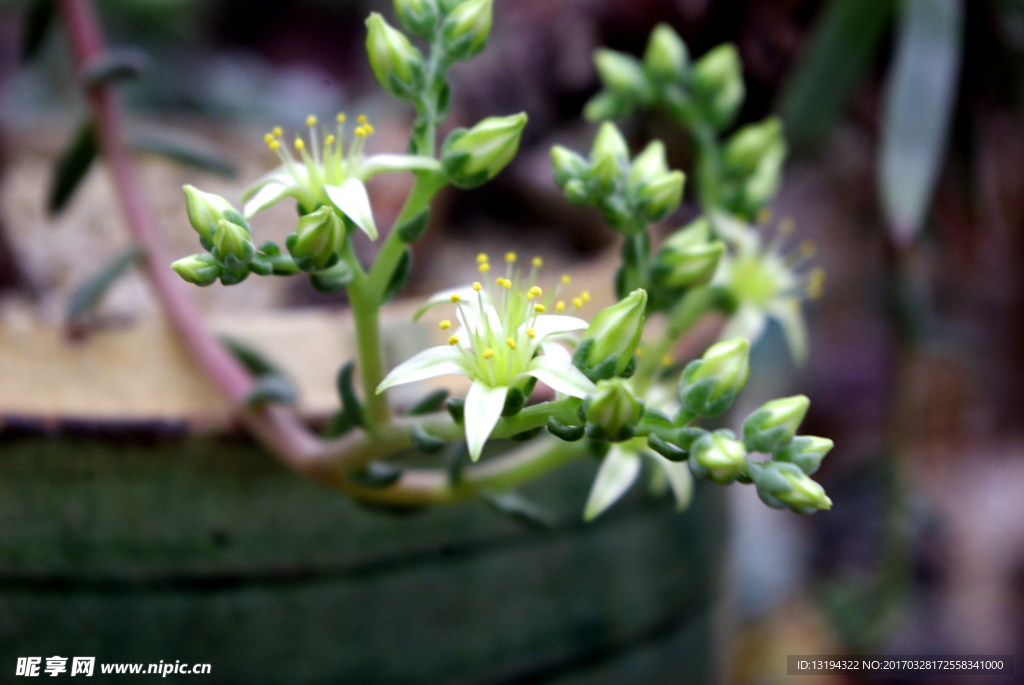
<point x="687" y="257"/>
<point x="648" y="165"/>
<point x="806" y="451"/>
<point x="231" y="242"/>
<point x="709" y="385"/>
<point x="666" y="56"/>
<point x="201" y="269"/>
<point x="205" y="210"/>
<point x="607" y="105"/>
<point x="717" y="84"/>
<point x="781" y="484"/>
<point x="621" y="73"/>
<point x="718" y="456"/>
<point x="771" y="427"/>
<point x="473" y="157"/>
<point x="576" y="192"/>
<point x="746" y="147"/>
<point x="466" y="29"/>
<point x="395" y="62"/>
<point x="609" y="143"/>
<point x="318" y="237"/>
<point x="617" y="330"/>
<point x="661" y="196"/>
<point x="417" y="16"/>
<point x="568" y="165"/>
<point x="613" y="410"/>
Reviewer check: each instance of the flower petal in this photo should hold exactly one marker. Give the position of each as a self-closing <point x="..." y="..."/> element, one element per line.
<point x="444" y="297"/>
<point x="553" y="324"/>
<point x="787" y="313"/>
<point x="482" y="410"/>
<point x="556" y="350"/>
<point x="381" y="163"/>
<point x="679" y="479"/>
<point x="618" y="471"/>
<point x="269" y="194"/>
<point x="434" y="361"/>
<point x="352" y="199"/>
<point x="747" y="322"/>
<point x="560" y="376"/>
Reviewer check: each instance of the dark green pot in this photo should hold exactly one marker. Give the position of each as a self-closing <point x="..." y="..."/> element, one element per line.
<point x="204" y="550"/>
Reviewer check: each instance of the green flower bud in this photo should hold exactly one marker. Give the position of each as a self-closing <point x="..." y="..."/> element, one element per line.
<point x="205" y="210"/>
<point x="613" y="410"/>
<point x="806" y="451"/>
<point x="448" y="5"/>
<point x="418" y="16"/>
<point x="231" y="243"/>
<point x="709" y="385"/>
<point x="661" y="196"/>
<point x="763" y="184"/>
<point x="649" y="164"/>
<point x="568" y="165"/>
<point x="717" y="84"/>
<point x="201" y="269"/>
<point x="688" y="258"/>
<point x="781" y="484"/>
<point x="750" y="144"/>
<point x="771" y="427"/>
<point x="318" y="238"/>
<point x="606" y="105"/>
<point x="617" y="330"/>
<point x="718" y="456"/>
<point x="473" y="157"/>
<point x="466" y="29"/>
<point x="395" y="62"/>
<point x="666" y="57"/>
<point x="576" y="192"/>
<point x="621" y="73"/>
<point x="609" y="143"/>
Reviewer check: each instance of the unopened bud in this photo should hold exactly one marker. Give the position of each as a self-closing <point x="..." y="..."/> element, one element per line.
<point x="750" y="144"/>
<point x="616" y="330"/>
<point x="568" y="165"/>
<point x="771" y="427"/>
<point x="661" y="196"/>
<point x="205" y="210"/>
<point x="718" y="456"/>
<point x="781" y="484"/>
<point x="466" y="29"/>
<point x="709" y="385"/>
<point x="688" y="258"/>
<point x="806" y="451"/>
<point x="613" y="410"/>
<point x="649" y="164"/>
<point x="606" y="105"/>
<point x="717" y="83"/>
<point x="317" y="239"/>
<point x="621" y="73"/>
<point x="395" y="62"/>
<point x="473" y="157"/>
<point x="231" y="242"/>
<point x="576" y="192"/>
<point x="200" y="269"/>
<point x="417" y="16"/>
<point x="666" y="57"/>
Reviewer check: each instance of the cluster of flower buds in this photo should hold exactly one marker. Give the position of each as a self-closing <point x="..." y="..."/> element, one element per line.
<point x="711" y="88"/>
<point x="688" y="257"/>
<point x="752" y="160"/>
<point x="630" y="193"/>
<point x="612" y="411"/>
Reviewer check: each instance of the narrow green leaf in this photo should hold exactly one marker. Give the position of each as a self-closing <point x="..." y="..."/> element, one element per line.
<point x="184" y="150"/>
<point x="429" y="404"/>
<point x="87" y="296"/>
<point x="350" y="403"/>
<point x="511" y="503"/>
<point x="399" y="276"/>
<point x="115" y="65"/>
<point x="377" y="474"/>
<point x="39" y="16"/>
<point x="919" y="104"/>
<point x="271" y="388"/>
<point x="72" y="166"/>
<point x="841" y="48"/>
<point x="251" y="359"/>
<point x="425" y="442"/>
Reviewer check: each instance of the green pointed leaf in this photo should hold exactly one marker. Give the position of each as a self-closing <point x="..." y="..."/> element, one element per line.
<point x="72" y="166"/>
<point x="249" y="357"/>
<point x="184" y="150"/>
<point x="115" y="65"/>
<point x="271" y="388"/>
<point x="399" y="276"/>
<point x="429" y="404"/>
<point x="350" y="403"/>
<point x="39" y="15"/>
<point x="87" y="296"/>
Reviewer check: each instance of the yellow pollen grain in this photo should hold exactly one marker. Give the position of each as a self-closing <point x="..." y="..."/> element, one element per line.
<point x="531" y="333"/>
<point x="329" y="140"/>
<point x="477" y="287"/>
<point x="362" y="119"/>
<point x="787" y="225"/>
<point x="510" y="257"/>
<point x="484" y="267"/>
<point x="481" y="258"/>
<point x="453" y="340"/>
<point x="268" y="138"/>
<point x="511" y="343"/>
<point x="488" y="353"/>
<point x="274" y="145"/>
<point x="560" y="306"/>
<point x="585" y="296"/>
<point x="667" y="360"/>
<point x="539" y="308"/>
<point x="299" y="145"/>
<point x="565" y="279"/>
<point x="537" y="262"/>
<point x="445" y="325"/>
<point x="311" y="121"/>
<point x="277" y="131"/>
<point x="456" y="298"/>
<point x="808" y="248"/>
<point x="577" y="302"/>
<point x="764" y="216"/>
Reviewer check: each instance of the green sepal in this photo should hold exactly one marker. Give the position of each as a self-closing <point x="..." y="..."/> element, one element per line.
<point x="598" y="433"/>
<point x="667" y="449"/>
<point x="261" y="266"/>
<point x="526" y="435"/>
<point x="229" y="276"/>
<point x="330" y="280"/>
<point x="377" y="474"/>
<point x="699" y="398"/>
<point x="350" y="403"/>
<point x="268" y="248"/>
<point x="563" y="431"/>
<point x="425" y="442"/>
<point x="630" y="367"/>
<point x="456" y="407"/>
<point x="601" y="371"/>
<point x="412" y="230"/>
<point x="429" y="404"/>
<point x="515" y="400"/>
<point x="399" y="276"/>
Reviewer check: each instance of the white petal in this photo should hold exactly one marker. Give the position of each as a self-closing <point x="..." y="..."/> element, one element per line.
<point x="560" y="376"/>
<point x="789" y="316"/>
<point x="380" y="163"/>
<point x="435" y="361"/>
<point x="618" y="471"/>
<point x="679" y="478"/>
<point x="264" y="197"/>
<point x="351" y="198"/>
<point x="444" y="297"/>
<point x="482" y="411"/>
<point x="557" y="351"/>
<point x="552" y="324"/>
<point x="747" y="322"/>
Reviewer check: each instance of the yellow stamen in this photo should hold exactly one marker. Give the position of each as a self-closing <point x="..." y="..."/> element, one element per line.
<point x="477" y="287"/>
<point x="585" y="296"/>
<point x="453" y="340"/>
<point x="488" y="353"/>
<point x="539" y="308"/>
<point x="445" y="325"/>
<point x="506" y="284"/>
<point x="565" y="279"/>
<point x="268" y="138"/>
<point x="764" y="216"/>
<point x="368" y="128"/>
<point x="537" y="262"/>
<point x="510" y="257"/>
<point x="667" y="360"/>
<point x="360" y="132"/>
<point x="536" y="291"/>
<point x="787" y="225"/>
<point x="311" y="121"/>
<point x="299" y="145"/>
<point x="531" y="333"/>
<point x="481" y="258"/>
<point x="560" y="307"/>
<point x="529" y="297"/>
<point x="362" y="119"/>
<point x="456" y="298"/>
<point x="511" y="343"/>
<point x="341" y="117"/>
<point x="807" y="249"/>
<point x="816" y="283"/>
<point x="274" y="145"/>
<point x="277" y="131"/>
<point x="484" y="267"/>
<point x="329" y="140"/>
<point x="577" y="302"/>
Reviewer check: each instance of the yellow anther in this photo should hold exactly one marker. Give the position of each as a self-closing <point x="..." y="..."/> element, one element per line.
<point x="362" y="119"/>
<point x="764" y="216"/>
<point x="268" y="138"/>
<point x="511" y="343"/>
<point x="499" y="281"/>
<point x="481" y="258"/>
<point x="506" y="284"/>
<point x="577" y="302"/>
<point x="808" y="248"/>
<point x="456" y="298"/>
<point x="585" y="296"/>
<point x="667" y="360"/>
<point x="488" y="353"/>
<point x="329" y="140"/>
<point x="445" y="325"/>
<point x="537" y="262"/>
<point x="536" y="291"/>
<point x="529" y="297"/>
<point x="341" y="117"/>
<point x="560" y="306"/>
<point x="815" y="283"/>
<point x="787" y="225"/>
<point x="510" y="257"/>
<point x="311" y="121"/>
<point x="274" y="145"/>
<point x="299" y="145"/>
<point x="477" y="287"/>
<point x="277" y="131"/>
<point x="565" y="279"/>
<point x="453" y="340"/>
<point x="368" y="128"/>
<point x="539" y="308"/>
<point x="484" y="267"/>
<point x="360" y="132"/>
<point x="531" y="333"/>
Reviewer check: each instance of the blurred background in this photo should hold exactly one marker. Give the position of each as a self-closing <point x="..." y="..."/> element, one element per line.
<point x="907" y="137"/>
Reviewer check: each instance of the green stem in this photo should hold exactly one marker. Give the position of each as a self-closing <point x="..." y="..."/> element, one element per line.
<point x="365" y="312"/>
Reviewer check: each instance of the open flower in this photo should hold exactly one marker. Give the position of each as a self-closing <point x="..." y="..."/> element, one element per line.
<point x="506" y="336"/>
<point x="766" y="283"/>
<point x="328" y="174"/>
